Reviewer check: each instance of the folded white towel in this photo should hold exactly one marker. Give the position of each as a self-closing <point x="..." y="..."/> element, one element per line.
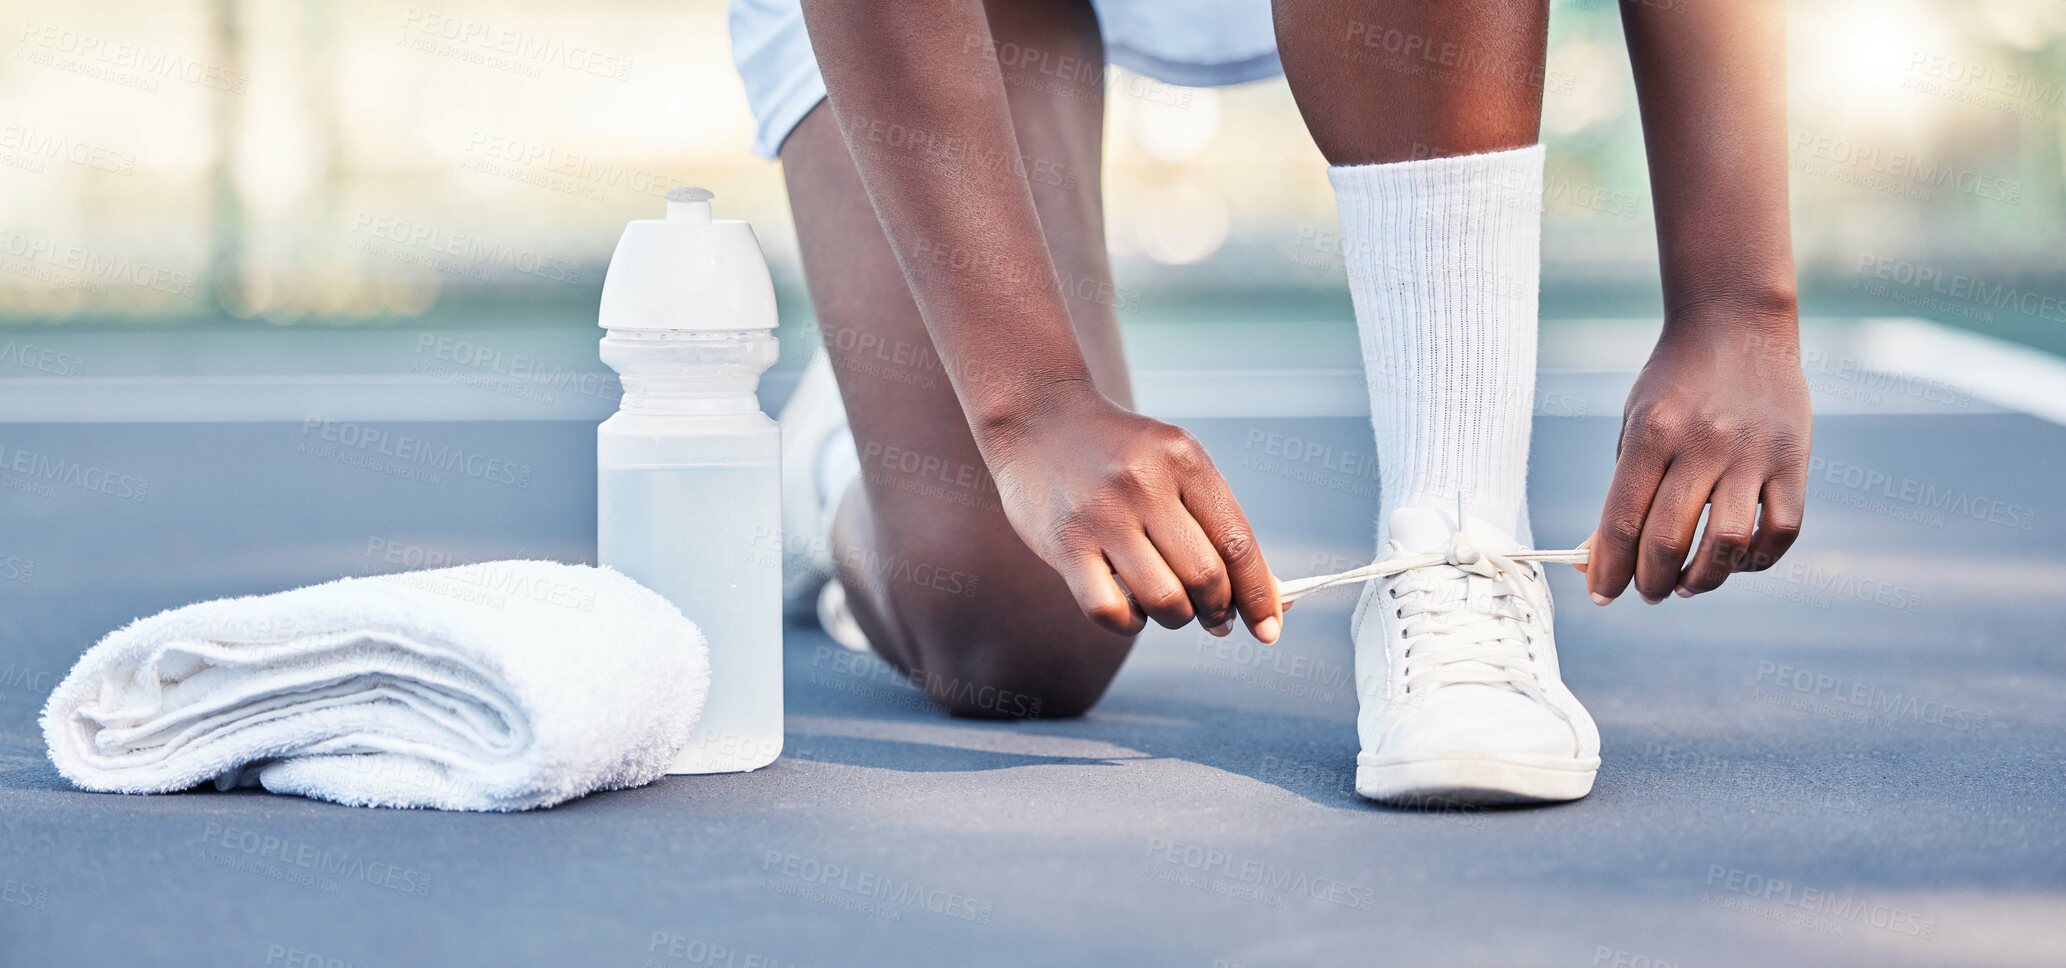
<point x="505" y="685"/>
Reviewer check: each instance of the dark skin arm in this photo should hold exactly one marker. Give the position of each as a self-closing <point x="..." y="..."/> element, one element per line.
<point x="1719" y="417"/>
<point x="1102" y="494"/>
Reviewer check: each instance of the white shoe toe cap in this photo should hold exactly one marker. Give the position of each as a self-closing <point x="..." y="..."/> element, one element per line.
<point x="1479" y="721"/>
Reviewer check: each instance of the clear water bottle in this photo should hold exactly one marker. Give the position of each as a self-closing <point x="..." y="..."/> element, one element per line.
<point x="688" y="469"/>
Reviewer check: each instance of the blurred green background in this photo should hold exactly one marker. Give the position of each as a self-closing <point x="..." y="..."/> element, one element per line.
<point x="272" y="164"/>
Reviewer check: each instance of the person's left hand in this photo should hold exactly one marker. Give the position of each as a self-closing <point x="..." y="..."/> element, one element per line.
<point x="1718" y="419"/>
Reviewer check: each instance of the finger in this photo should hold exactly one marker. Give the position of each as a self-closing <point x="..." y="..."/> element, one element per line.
<point x="1636" y="475"/>
<point x="1196" y="564"/>
<point x="1669" y="527"/>
<point x="1219" y="517"/>
<point x="1099" y="595"/>
<point x="1779" y="523"/>
<point x="1155" y="588"/>
<point x="1587" y="544"/>
<point x="1732" y="515"/>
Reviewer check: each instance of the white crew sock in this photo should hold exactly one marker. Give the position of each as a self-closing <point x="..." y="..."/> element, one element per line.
<point x="1444" y="258"/>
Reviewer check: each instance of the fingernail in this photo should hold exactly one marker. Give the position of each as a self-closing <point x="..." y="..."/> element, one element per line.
<point x="1647" y="600"/>
<point x="1683" y="592"/>
<point x="1221" y="630"/>
<point x="1599" y="599"/>
<point x="1267" y="630"/>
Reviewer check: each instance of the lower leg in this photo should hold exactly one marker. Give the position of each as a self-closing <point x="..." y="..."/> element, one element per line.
<point x="934" y="574"/>
<point x="1392" y="82"/>
<point x="1429" y="114"/>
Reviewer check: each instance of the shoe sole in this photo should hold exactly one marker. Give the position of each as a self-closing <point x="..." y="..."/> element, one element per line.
<point x="1473" y="781"/>
<point x="837" y="619"/>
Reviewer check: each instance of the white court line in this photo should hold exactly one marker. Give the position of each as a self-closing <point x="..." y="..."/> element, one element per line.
<point x="1872" y="366"/>
<point x="2009" y="375"/>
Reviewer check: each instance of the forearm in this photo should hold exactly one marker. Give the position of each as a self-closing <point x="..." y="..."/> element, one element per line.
<point x="1711" y="81"/>
<point x="921" y="103"/>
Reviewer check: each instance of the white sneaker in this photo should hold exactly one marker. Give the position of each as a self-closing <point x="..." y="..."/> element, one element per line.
<point x="818" y="462"/>
<point x="1456" y="670"/>
<point x="836" y="617"/>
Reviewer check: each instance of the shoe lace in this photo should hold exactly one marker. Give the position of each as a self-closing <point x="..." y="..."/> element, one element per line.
<point x="1454" y="640"/>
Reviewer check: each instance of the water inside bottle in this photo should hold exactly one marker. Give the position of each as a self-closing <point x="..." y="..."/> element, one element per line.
<point x="703" y="538"/>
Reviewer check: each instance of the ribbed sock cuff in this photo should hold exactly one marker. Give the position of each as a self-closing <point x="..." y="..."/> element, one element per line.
<point x="1444" y="265"/>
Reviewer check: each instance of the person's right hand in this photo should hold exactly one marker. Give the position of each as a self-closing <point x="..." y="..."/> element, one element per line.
<point x="1100" y="492"/>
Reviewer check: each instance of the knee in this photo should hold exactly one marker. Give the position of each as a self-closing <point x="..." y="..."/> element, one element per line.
<point x="974" y="618"/>
<point x="984" y="694"/>
<point x="1014" y="651"/>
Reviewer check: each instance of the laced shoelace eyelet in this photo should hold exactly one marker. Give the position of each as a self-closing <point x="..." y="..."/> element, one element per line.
<point x="1532" y="561"/>
<point x="1460" y="623"/>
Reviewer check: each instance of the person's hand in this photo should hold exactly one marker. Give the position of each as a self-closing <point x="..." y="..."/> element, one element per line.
<point x="1718" y="421"/>
<point x="1107" y="496"/>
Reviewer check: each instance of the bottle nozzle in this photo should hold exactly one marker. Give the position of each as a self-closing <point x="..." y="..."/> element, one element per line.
<point x="687" y="203"/>
<point x="686" y="272"/>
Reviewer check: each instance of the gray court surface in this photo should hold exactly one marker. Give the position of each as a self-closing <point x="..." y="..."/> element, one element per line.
<point x="1855" y="759"/>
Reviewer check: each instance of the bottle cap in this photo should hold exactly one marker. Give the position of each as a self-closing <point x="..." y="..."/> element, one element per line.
<point x="688" y="273"/>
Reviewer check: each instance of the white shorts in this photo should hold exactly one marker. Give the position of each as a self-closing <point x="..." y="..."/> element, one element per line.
<point x="1195" y="43"/>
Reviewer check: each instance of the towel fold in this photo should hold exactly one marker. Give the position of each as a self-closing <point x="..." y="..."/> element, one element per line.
<point x="505" y="685"/>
